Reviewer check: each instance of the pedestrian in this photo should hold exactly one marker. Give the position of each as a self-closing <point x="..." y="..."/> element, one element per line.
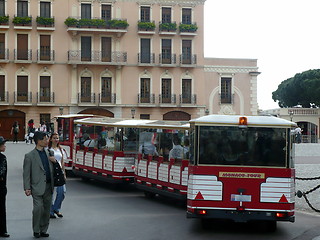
<point x="59" y="155"/>
<point x="38" y="182"/>
<point x="3" y="189"/>
<point x="31" y="130"/>
<point x="298" y="132"/>
<point x="15" y="131"/>
<point x="43" y="127"/>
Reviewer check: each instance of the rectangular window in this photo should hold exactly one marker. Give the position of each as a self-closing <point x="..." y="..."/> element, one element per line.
<point x="2" y="46"/>
<point x="2" y="8"/>
<point x="145" y="50"/>
<point x="226" y="90"/>
<point x="45" y="117"/>
<point x="186" y="51"/>
<point x="166" y="90"/>
<point x="106" y="49"/>
<point x="166" y="51"/>
<point x="145" y="90"/>
<point x="22" y="47"/>
<point x="45" y="47"/>
<point x="44" y="89"/>
<point x="186" y="90"/>
<point x="144" y="116"/>
<point x="22" y="8"/>
<point x="186" y="16"/>
<point x="86" y="49"/>
<point x="85" y="11"/>
<point x="145" y="14"/>
<point x="45" y="9"/>
<point x="106" y="12"/>
<point x="106" y="89"/>
<point x="166" y="15"/>
<point x="2" y="88"/>
<point x="22" y="88"/>
<point x="85" y="89"/>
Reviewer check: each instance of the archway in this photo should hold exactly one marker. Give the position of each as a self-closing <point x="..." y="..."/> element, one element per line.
<point x="7" y="118"/>
<point x="97" y="111"/>
<point x="177" y="116"/>
<point x="309" y="132"/>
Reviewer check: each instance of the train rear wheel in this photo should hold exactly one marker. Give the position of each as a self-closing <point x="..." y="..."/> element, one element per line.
<point x="149" y="194"/>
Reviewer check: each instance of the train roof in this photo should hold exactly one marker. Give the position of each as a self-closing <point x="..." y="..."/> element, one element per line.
<point x="134" y="123"/>
<point x="253" y="121"/>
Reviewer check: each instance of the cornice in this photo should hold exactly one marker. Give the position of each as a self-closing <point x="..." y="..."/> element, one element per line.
<point x="160" y="2"/>
<point x="229" y="69"/>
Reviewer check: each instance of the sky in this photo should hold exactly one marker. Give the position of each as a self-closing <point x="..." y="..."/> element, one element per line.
<point x="283" y="35"/>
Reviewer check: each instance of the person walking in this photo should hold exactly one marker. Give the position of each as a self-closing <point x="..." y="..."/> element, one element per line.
<point x="31" y="130"/>
<point x="3" y="189"/>
<point x="59" y="155"/>
<point x="43" y="127"/>
<point x="15" y="131"/>
<point x="38" y="183"/>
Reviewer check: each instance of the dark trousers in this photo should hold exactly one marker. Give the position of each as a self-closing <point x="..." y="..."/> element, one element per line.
<point x="3" y="219"/>
<point x="15" y="137"/>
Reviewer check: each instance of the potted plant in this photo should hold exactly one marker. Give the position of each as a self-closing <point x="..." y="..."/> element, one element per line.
<point x="147" y="26"/>
<point x="116" y="24"/>
<point x="4" y="19"/>
<point x="168" y="27"/>
<point x="45" y="21"/>
<point x="99" y="23"/>
<point x="188" y="27"/>
<point x="22" y="20"/>
<point x="71" y="22"/>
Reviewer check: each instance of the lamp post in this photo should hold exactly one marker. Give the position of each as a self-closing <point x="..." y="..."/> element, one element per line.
<point x="206" y="111"/>
<point x="61" y="110"/>
<point x="133" y="112"/>
<point x="291" y="115"/>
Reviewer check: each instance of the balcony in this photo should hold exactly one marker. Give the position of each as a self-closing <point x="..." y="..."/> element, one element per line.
<point x="45" y="98"/>
<point x="4" y="55"/>
<point x="146" y="99"/>
<point x="168" y="28"/>
<point x="146" y="28"/>
<point x="190" y="99"/>
<point x="45" y="24"/>
<point x="4" y="98"/>
<point x="45" y="56"/>
<point x="188" y="60"/>
<point x="4" y="22"/>
<point x="97" y="57"/>
<point x="86" y="99"/>
<point x="146" y="59"/>
<point x="22" y="56"/>
<point x="118" y="26"/>
<point x="188" y="29"/>
<point x="167" y="99"/>
<point x="107" y="99"/>
<point x="22" y="98"/>
<point x="22" y="23"/>
<point x="168" y="60"/>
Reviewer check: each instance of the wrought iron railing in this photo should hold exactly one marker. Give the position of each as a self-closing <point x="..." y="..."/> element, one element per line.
<point x="146" y="58"/>
<point x="4" y="54"/>
<point x="45" y="55"/>
<point x="25" y="97"/>
<point x="22" y="55"/>
<point x="4" y="97"/>
<point x="107" y="98"/>
<point x="188" y="99"/>
<point x="167" y="98"/>
<point x="146" y="98"/>
<point x="86" y="98"/>
<point x="188" y="59"/>
<point x="45" y="97"/>
<point x="167" y="58"/>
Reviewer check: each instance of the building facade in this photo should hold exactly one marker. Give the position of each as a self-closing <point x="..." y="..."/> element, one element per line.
<point x="117" y="58"/>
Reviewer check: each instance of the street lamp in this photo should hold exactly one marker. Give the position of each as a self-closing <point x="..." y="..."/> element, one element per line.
<point x="291" y="115"/>
<point x="206" y="111"/>
<point x="133" y="112"/>
<point x="61" y="110"/>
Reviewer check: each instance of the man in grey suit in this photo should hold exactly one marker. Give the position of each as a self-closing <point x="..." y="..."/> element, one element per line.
<point x="38" y="182"/>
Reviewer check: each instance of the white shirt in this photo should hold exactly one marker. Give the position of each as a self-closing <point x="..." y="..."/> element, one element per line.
<point x="57" y="154"/>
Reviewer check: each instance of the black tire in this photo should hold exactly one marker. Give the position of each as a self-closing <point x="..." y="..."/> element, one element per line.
<point x="149" y="194"/>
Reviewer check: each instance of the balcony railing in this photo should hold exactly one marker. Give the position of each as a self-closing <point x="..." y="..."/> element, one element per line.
<point x="23" y="97"/>
<point x="97" y="23"/>
<point x="4" y="20"/>
<point x="146" y="26"/>
<point x="45" y="97"/>
<point x="186" y="59"/>
<point x="167" y="58"/>
<point x="146" y="58"/>
<point x="107" y="98"/>
<point x="97" y="57"/>
<point x="22" y="55"/>
<point x="4" y="54"/>
<point x="45" y="55"/>
<point x="22" y="21"/>
<point x="86" y="98"/>
<point x="167" y="98"/>
<point x="167" y="27"/>
<point x="188" y="99"/>
<point x="188" y="27"/>
<point x="146" y="98"/>
<point x="4" y="97"/>
<point x="45" y="22"/>
<point x="226" y="98"/>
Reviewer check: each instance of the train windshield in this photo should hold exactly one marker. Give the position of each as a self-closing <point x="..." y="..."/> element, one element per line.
<point x="252" y="146"/>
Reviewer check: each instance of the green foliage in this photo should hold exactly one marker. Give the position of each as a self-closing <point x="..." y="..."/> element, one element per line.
<point x="71" y="22"/>
<point x="188" y="27"/>
<point x="168" y="27"/>
<point x="115" y="23"/>
<point x="302" y="89"/>
<point x="4" y="19"/>
<point x="22" y="20"/>
<point x="148" y="26"/>
<point x="45" y="21"/>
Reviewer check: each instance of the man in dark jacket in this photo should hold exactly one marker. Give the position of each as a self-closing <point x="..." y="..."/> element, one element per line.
<point x="3" y="189"/>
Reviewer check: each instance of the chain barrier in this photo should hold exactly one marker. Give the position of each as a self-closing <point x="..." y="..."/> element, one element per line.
<point x="301" y="194"/>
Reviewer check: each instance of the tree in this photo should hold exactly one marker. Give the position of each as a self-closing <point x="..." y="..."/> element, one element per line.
<point x="302" y="89"/>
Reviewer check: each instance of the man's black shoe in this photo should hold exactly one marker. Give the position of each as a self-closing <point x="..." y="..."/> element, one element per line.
<point x="44" y="234"/>
<point x="36" y="235"/>
<point x="4" y="235"/>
